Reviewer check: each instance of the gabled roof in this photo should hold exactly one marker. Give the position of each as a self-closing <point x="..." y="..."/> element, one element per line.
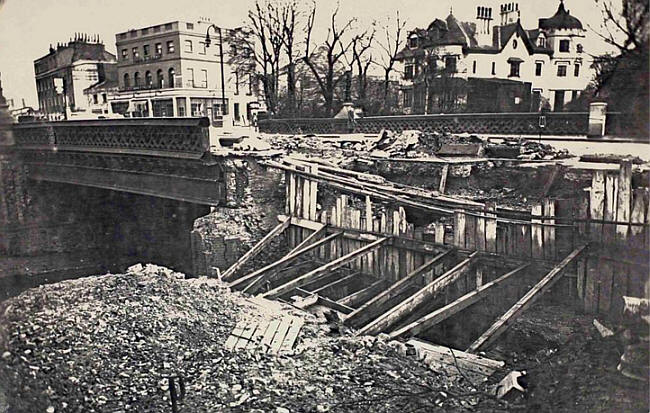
<point x="560" y="20"/>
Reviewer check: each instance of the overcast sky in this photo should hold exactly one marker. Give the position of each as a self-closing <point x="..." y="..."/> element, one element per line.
<point x="28" y="27"/>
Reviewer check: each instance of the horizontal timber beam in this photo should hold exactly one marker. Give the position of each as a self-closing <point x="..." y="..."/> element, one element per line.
<point x="454" y="307"/>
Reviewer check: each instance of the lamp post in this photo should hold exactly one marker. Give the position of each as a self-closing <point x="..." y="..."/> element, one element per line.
<point x="207" y="44"/>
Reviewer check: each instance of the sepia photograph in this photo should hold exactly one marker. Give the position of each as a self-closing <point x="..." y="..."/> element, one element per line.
<point x="309" y="206"/>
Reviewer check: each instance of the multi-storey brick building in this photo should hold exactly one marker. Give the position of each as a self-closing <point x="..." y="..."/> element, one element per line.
<point x="76" y="65"/>
<point x="548" y="63"/>
<point x="168" y="70"/>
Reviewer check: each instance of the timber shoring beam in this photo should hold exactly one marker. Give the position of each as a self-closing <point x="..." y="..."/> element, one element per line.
<point x="427" y="292"/>
<point x="279" y="264"/>
<point x="524" y="302"/>
<point x="323" y="270"/>
<point x="454" y="307"/>
<point x="364" y="313"/>
<point x="326" y="302"/>
<point x="263" y="243"/>
<point x="362" y="295"/>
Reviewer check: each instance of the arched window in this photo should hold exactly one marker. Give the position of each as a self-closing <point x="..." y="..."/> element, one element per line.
<point x="172" y="72"/>
<point x="127" y="81"/>
<point x="160" y="80"/>
<point x="136" y="79"/>
<point x="148" y="79"/>
<point x="541" y="41"/>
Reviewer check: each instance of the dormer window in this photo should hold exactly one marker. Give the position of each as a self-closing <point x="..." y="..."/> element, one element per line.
<point x="413" y="42"/>
<point x="541" y="41"/>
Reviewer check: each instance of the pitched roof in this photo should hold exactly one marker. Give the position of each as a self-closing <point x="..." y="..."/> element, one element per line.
<point x="560" y="20"/>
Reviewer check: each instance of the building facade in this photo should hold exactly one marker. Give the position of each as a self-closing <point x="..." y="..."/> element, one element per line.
<point x="66" y="71"/>
<point x="169" y="70"/>
<point x="549" y="61"/>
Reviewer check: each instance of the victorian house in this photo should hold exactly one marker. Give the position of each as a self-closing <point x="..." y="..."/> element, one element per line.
<point x="483" y="66"/>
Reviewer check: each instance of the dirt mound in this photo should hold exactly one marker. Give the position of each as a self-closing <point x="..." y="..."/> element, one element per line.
<point x="108" y="343"/>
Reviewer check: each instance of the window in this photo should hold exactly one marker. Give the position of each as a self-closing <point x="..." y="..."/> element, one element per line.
<point x="104" y="100"/>
<point x="494" y="68"/>
<point x="95" y="99"/>
<point x="574" y="94"/>
<point x="450" y="63"/>
<point x="541" y="42"/>
<point x="579" y="48"/>
<point x="561" y="71"/>
<point x="204" y="78"/>
<point x="135" y="52"/>
<point x="156" y="29"/>
<point x="168" y="26"/>
<point x="564" y="45"/>
<point x="190" y="26"/>
<point x="160" y="79"/>
<point x="171" y="72"/>
<point x="145" y="31"/>
<point x="514" y="43"/>
<point x="190" y="78"/>
<point x="136" y="79"/>
<point x="127" y="81"/>
<point x="145" y="50"/>
<point x="170" y="46"/>
<point x="409" y="71"/>
<point x="125" y="54"/>
<point x="413" y="42"/>
<point x="148" y="79"/>
<point x="514" y="69"/>
<point x="188" y="46"/>
<point x="474" y="66"/>
<point x="538" y="68"/>
<point x="158" y="48"/>
<point x="408" y="98"/>
<point x="576" y="70"/>
<point x="201" y="47"/>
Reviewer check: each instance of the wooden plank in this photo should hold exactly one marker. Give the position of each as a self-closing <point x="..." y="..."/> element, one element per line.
<point x="549" y="231"/>
<point x="370" y="259"/>
<point x="537" y="233"/>
<point x="459" y="229"/>
<point x="323" y="270"/>
<point x="582" y="275"/>
<point x="428" y="292"/>
<point x="609" y="213"/>
<point x="280" y="335"/>
<point x="306" y="199"/>
<point x="591" y="285"/>
<point x="279" y="264"/>
<point x="363" y="295"/>
<point x="620" y="275"/>
<point x="291" y="195"/>
<point x="492" y="333"/>
<point x="624" y="200"/>
<point x="443" y="178"/>
<point x="334" y="247"/>
<point x="292" y="335"/>
<point x="361" y="315"/>
<point x="439" y="235"/>
<point x="246" y="336"/>
<point x="269" y="335"/>
<point x="479" y="276"/>
<point x="450" y="309"/>
<point x="299" y="192"/>
<point x="394" y="251"/>
<point x="312" y="237"/>
<point x="470" y="232"/>
<point x="451" y="359"/>
<point x="491" y="228"/>
<point x="597" y="204"/>
<point x="232" y="339"/>
<point x="638" y="214"/>
<point x="257" y="337"/>
<point x="257" y="248"/>
<point x="313" y="194"/>
<point x="480" y="234"/>
<point x="606" y="269"/>
<point x="336" y="283"/>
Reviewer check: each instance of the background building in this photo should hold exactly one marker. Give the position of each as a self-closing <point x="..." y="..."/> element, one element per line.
<point x="541" y="67"/>
<point x="80" y="63"/>
<point x="169" y="70"/>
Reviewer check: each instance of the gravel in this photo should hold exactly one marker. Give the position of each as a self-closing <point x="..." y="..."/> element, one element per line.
<point x="108" y="344"/>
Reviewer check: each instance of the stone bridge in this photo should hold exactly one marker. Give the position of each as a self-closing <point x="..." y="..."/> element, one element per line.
<point x="88" y="196"/>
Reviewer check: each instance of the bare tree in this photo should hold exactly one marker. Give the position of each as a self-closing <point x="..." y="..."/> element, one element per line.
<point x="290" y="14"/>
<point x="362" y="59"/>
<point x="627" y="31"/>
<point x="391" y="44"/>
<point x="334" y="49"/>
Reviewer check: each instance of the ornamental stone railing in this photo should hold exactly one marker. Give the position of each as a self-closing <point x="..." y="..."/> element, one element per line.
<point x="170" y="137"/>
<point x="555" y="123"/>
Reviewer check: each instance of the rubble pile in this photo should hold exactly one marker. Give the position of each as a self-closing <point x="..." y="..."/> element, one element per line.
<point x="110" y="343"/>
<point x="526" y="149"/>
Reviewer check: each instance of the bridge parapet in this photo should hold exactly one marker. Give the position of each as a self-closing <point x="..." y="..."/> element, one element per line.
<point x="171" y="137"/>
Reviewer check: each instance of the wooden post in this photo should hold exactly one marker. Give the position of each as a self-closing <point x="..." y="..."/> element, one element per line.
<point x="443" y="178"/>
<point x="549" y="231"/>
<point x="439" y="235"/>
<point x="491" y="227"/>
<point x="609" y="212"/>
<point x="313" y="194"/>
<point x="624" y="199"/>
<point x="459" y="229"/>
<point x="597" y="204"/>
<point x="537" y="233"/>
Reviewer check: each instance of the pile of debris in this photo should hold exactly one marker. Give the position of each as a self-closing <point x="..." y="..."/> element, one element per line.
<point x="111" y="343"/>
<point x="525" y="149"/>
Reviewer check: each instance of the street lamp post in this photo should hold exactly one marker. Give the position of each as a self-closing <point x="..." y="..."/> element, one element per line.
<point x="223" y="83"/>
